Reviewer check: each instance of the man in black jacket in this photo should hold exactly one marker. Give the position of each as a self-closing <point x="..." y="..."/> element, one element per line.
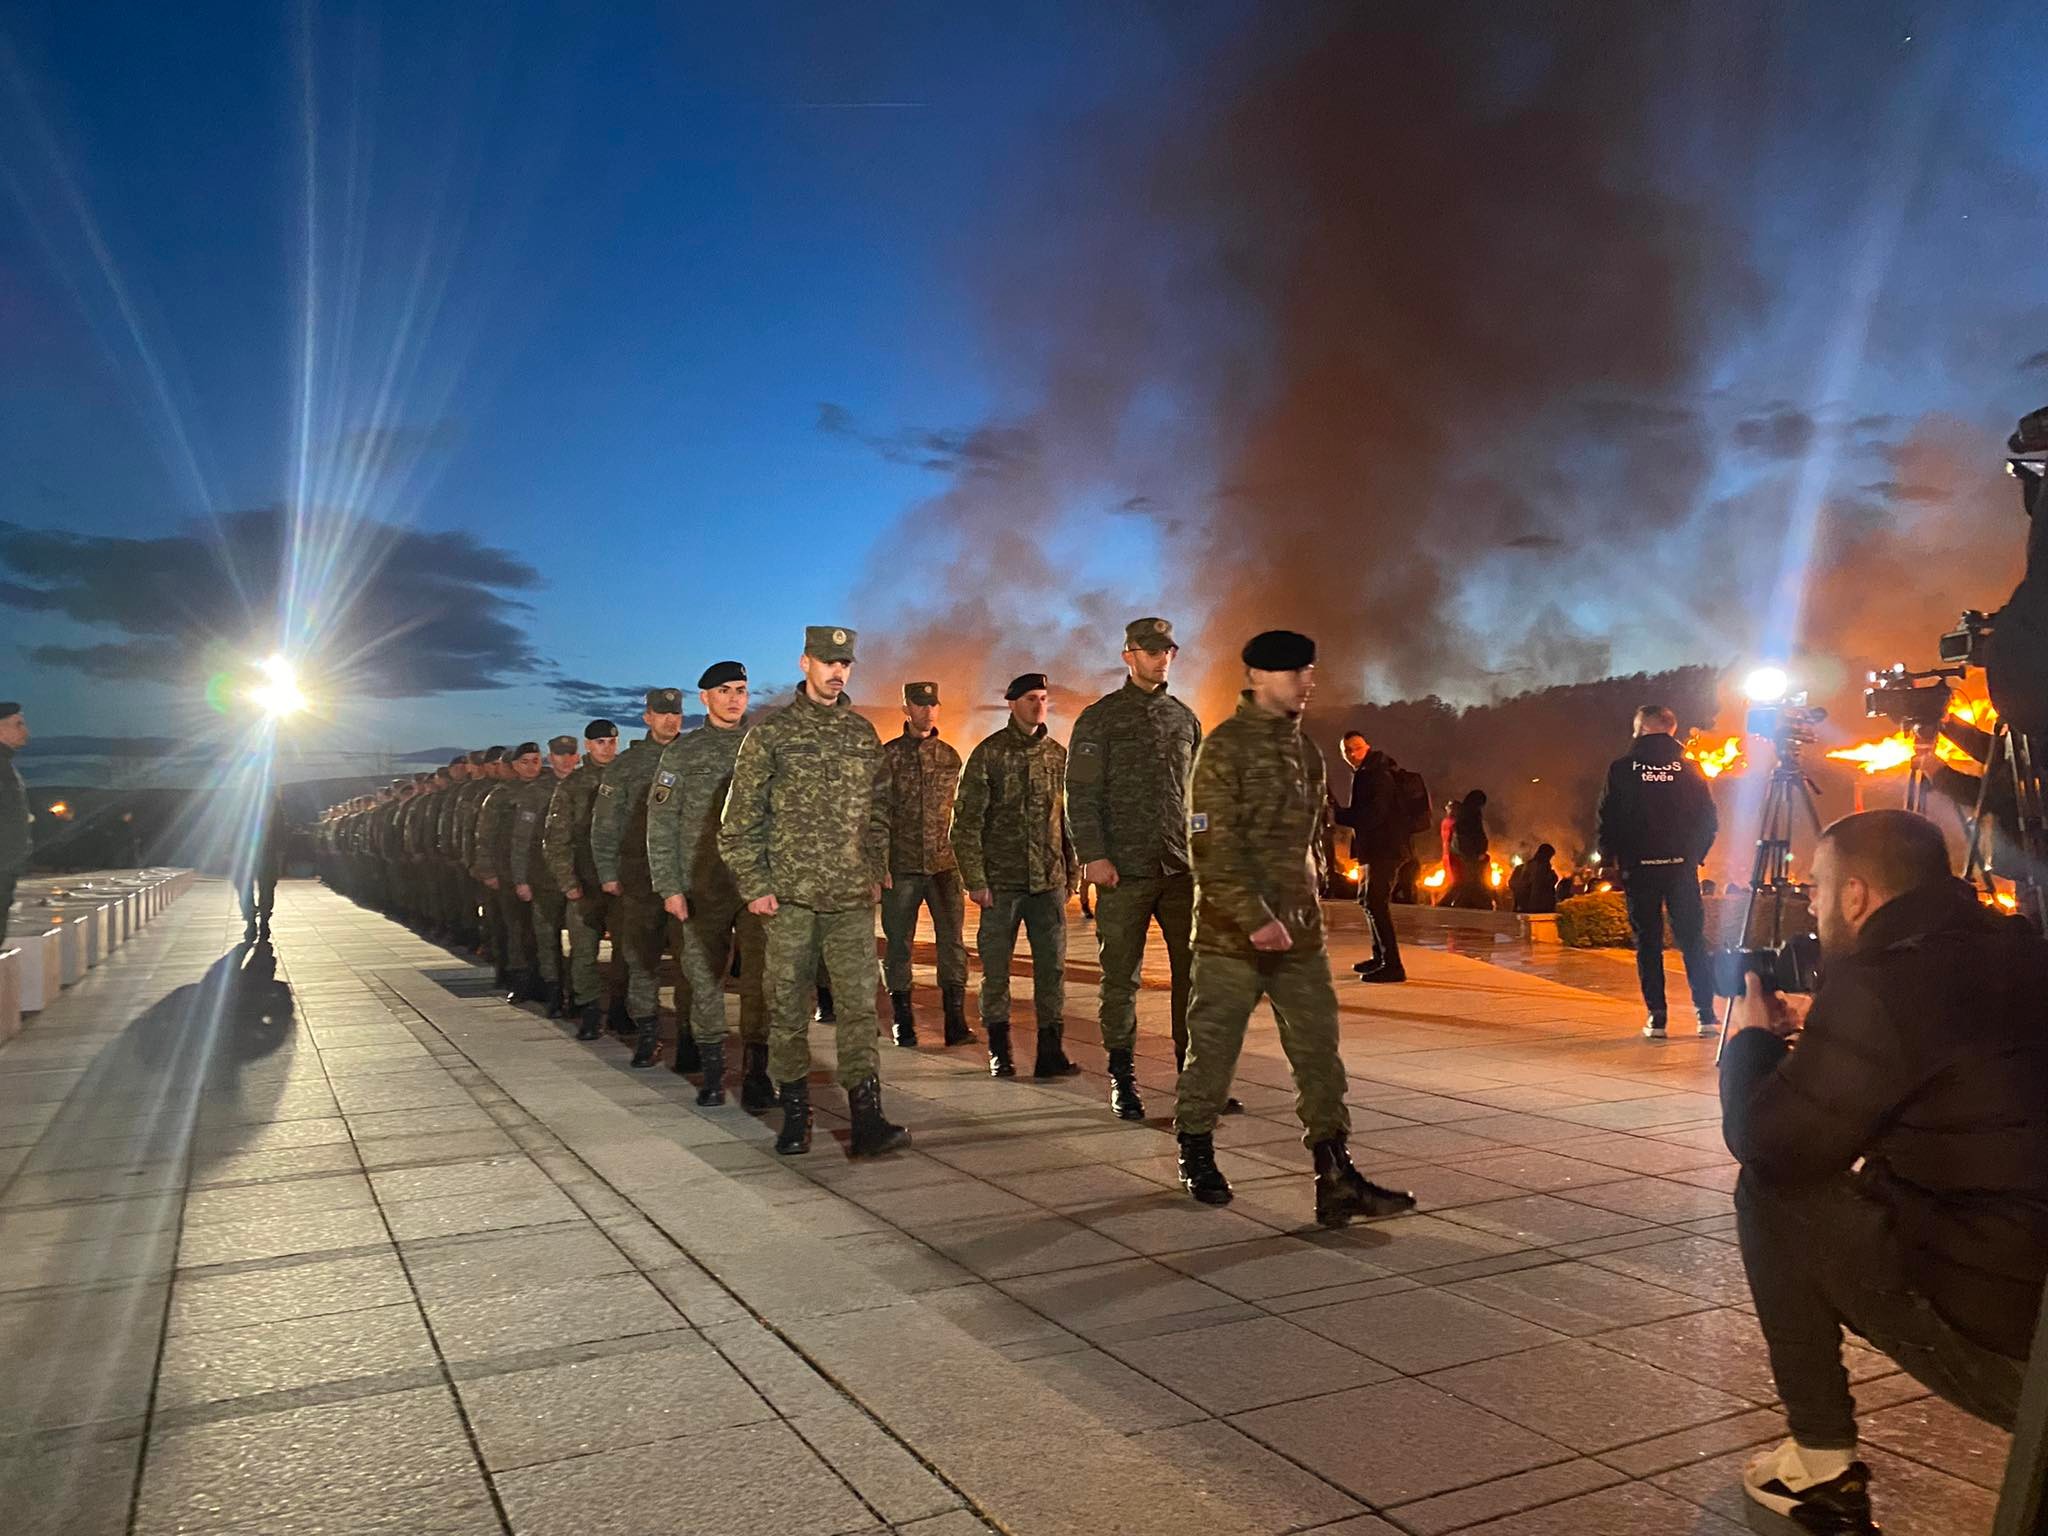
<point x="1922" y="1058"/>
<point x="1657" y="822"/>
<point x="16" y="820"/>
<point x="1379" y="842"/>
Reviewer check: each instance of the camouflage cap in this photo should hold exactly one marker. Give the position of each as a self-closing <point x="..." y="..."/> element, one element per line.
<point x="562" y="746"/>
<point x="600" y="729"/>
<point x="920" y="693"/>
<point x="1151" y="634"/>
<point x="828" y="643"/>
<point x="664" y="701"/>
<point x="525" y="749"/>
<point x="1027" y="682"/>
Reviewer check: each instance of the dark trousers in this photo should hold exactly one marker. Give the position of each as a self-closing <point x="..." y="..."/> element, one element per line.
<point x="259" y="896"/>
<point x="6" y="904"/>
<point x="1653" y="890"/>
<point x="1824" y="1258"/>
<point x="1377" y="897"/>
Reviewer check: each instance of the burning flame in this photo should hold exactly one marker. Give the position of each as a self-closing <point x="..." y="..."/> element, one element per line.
<point x="1714" y="761"/>
<point x="1434" y="880"/>
<point x="1495" y="875"/>
<point x="1895" y="751"/>
<point x="2005" y="901"/>
<point x="1353" y="871"/>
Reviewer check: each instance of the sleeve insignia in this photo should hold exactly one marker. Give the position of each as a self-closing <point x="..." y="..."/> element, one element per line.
<point x="660" y="795"/>
<point x="666" y="779"/>
<point x="1199" y="822"/>
<point x="605" y="790"/>
<point x="1085" y="748"/>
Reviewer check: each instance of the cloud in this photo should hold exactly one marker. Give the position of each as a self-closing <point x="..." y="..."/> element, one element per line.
<point x="2038" y="363"/>
<point x="1780" y="431"/>
<point x="992" y="450"/>
<point x="379" y="609"/>
<point x="582" y="697"/>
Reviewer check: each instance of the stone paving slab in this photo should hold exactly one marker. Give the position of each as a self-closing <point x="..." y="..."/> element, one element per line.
<point x="304" y="1239"/>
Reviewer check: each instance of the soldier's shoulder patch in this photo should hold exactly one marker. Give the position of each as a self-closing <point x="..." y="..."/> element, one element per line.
<point x="660" y="795"/>
<point x="666" y="779"/>
<point x="1199" y="822"/>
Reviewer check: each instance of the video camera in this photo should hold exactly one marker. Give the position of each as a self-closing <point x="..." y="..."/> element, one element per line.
<point x="1913" y="701"/>
<point x="1969" y="643"/>
<point x="1793" y="966"/>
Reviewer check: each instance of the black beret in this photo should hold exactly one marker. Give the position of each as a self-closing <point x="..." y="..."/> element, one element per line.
<point x="525" y="749"/>
<point x="562" y="746"/>
<point x="457" y="762"/>
<point x="494" y="754"/>
<point x="1279" y="650"/>
<point x="8" y="707"/>
<point x="664" y="701"/>
<point x="719" y="673"/>
<point x="600" y="730"/>
<point x="1026" y="683"/>
<point x="477" y="758"/>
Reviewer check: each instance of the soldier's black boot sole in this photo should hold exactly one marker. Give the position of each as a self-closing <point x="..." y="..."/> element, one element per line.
<point x="795" y="1136"/>
<point x="1343" y="1193"/>
<point x="1123" y="1087"/>
<point x="1052" y="1057"/>
<point x="1199" y="1175"/>
<point x="712" y="1092"/>
<point x="590" y="1026"/>
<point x="873" y="1133"/>
<point x="757" y="1089"/>
<point x="1000" y="1063"/>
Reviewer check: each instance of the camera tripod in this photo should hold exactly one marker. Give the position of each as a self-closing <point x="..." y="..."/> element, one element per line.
<point x="1788" y="800"/>
<point x="2013" y="756"/>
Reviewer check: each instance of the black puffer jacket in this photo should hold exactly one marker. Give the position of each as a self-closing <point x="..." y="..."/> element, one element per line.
<point x="1656" y="808"/>
<point x="1926" y="1055"/>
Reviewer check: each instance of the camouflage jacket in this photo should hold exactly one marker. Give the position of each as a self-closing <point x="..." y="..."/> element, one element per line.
<point x="618" y="823"/>
<point x="1010" y="829"/>
<point x="807" y="820"/>
<point x="422" y="813"/>
<point x="468" y="805"/>
<point x="493" y="857"/>
<point x="1127" y="780"/>
<point x="920" y="774"/>
<point x="524" y="862"/>
<point x="565" y="839"/>
<point x="386" y="842"/>
<point x="445" y="821"/>
<point x="682" y="813"/>
<point x="1255" y="825"/>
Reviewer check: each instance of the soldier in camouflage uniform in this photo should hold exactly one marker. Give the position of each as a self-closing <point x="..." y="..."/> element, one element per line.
<point x="920" y="775"/>
<point x="806" y="836"/>
<point x="533" y="882"/>
<point x="565" y="844"/>
<point x="698" y="891"/>
<point x="1127" y="779"/>
<point x="640" y="924"/>
<point x="490" y="773"/>
<point x="1017" y="859"/>
<point x="495" y="825"/>
<point x="1255" y="824"/>
<point x="418" y="837"/>
<point x="457" y="890"/>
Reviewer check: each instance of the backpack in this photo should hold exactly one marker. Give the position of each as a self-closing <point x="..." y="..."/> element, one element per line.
<point x="1411" y="797"/>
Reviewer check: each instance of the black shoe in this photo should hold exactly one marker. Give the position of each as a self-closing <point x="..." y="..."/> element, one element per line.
<point x="1000" y="1063"/>
<point x="688" y="1058"/>
<point x="1838" y="1507"/>
<point x="826" y="1014"/>
<point x="1052" y="1056"/>
<point x="757" y="1089"/>
<point x="1123" y="1088"/>
<point x="1368" y="965"/>
<point x="1199" y="1174"/>
<point x="559" y="1004"/>
<point x="712" y="1093"/>
<point x="590" y="1024"/>
<point x="1342" y="1192"/>
<point x="955" y="1002"/>
<point x="873" y="1134"/>
<point x="620" y="1021"/>
<point x="646" y="1043"/>
<point x="517" y="987"/>
<point x="795" y="1136"/>
<point x="1389" y="973"/>
<point x="1233" y="1106"/>
<point x="904" y="1022"/>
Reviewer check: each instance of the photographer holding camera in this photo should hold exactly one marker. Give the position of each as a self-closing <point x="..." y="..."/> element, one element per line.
<point x="1894" y="1151"/>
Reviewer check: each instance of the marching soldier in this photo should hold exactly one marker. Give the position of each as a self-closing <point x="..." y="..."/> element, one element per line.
<point x="456" y="891"/>
<point x="618" y="842"/>
<point x="533" y="882"/>
<point x="565" y="844"/>
<point x="1127" y="791"/>
<point x="698" y="892"/>
<point x="1016" y="855"/>
<point x="492" y="863"/>
<point x="806" y="836"/>
<point x="1255" y="824"/>
<point x="921" y="773"/>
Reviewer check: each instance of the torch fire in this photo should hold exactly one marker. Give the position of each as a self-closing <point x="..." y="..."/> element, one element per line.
<point x="1714" y="761"/>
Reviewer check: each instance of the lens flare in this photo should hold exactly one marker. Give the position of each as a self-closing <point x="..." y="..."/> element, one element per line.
<point x="1766" y="685"/>
<point x="278" y="694"/>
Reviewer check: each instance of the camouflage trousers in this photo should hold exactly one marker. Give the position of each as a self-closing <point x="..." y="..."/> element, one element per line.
<point x="1043" y="915"/>
<point x="799" y="939"/>
<point x="586" y="921"/>
<point x="643" y="931"/>
<point x="545" y="914"/>
<point x="493" y="922"/>
<point x="900" y="901"/>
<point x="1226" y="990"/>
<point x="515" y="922"/>
<point x="718" y="923"/>
<point x="1123" y="914"/>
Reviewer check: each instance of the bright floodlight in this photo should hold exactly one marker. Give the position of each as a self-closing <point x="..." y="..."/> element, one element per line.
<point x="1766" y="685"/>
<point x="278" y="694"/>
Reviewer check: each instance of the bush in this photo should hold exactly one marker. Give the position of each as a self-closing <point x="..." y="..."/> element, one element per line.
<point x="1598" y="921"/>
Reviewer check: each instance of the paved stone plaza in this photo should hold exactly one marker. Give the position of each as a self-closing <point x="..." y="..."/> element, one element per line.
<point x="338" y="1243"/>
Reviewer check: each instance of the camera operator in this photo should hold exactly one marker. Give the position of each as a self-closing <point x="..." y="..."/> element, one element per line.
<point x="1657" y="823"/>
<point x="1894" y="1154"/>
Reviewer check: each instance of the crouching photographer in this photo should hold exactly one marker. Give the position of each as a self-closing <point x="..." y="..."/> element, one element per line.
<point x="1894" y="1151"/>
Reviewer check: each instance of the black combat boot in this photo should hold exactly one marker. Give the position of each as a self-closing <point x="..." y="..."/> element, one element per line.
<point x="688" y="1059"/>
<point x="872" y="1133"/>
<point x="712" y="1093"/>
<point x="517" y="987"/>
<point x="590" y="1022"/>
<point x="757" y="1089"/>
<point x="900" y="1016"/>
<point x="1052" y="1056"/>
<point x="621" y="1022"/>
<point x="560" y="1004"/>
<point x="1199" y="1174"/>
<point x="1000" y="1063"/>
<point x="796" y="1119"/>
<point x="955" y="1000"/>
<point x="1123" y="1087"/>
<point x="646" y="1042"/>
<point x="1342" y="1192"/>
<point x="825" y="1013"/>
